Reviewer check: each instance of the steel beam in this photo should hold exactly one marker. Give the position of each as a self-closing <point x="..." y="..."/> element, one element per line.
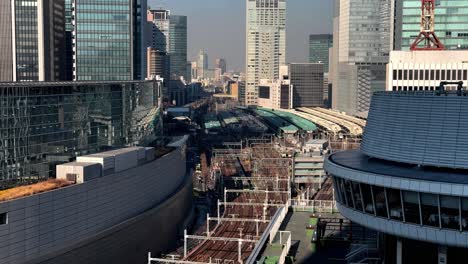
<point x="225" y="239"/>
<point x="253" y="191"/>
<point x="252" y="204"/>
<point x="227" y="219"/>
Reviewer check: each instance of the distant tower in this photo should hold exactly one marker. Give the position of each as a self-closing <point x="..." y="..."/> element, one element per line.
<point x="221" y="64"/>
<point x="202" y="63"/>
<point x="266" y="43"/>
<point x="427" y="36"/>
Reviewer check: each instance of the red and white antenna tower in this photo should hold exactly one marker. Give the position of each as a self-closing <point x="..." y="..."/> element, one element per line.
<point x="427" y="39"/>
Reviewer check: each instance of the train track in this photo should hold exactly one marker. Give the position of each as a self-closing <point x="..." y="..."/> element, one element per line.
<point x="244" y="205"/>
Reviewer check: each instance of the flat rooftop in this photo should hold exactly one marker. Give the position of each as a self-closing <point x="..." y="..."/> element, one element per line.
<point x="356" y="160"/>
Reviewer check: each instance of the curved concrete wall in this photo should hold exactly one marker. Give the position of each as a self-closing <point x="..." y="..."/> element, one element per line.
<point x="154" y="231"/>
<point x="417" y="128"/>
<point x="51" y="222"/>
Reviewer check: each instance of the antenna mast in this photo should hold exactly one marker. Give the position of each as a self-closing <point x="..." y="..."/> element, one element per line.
<point x="427" y="39"/>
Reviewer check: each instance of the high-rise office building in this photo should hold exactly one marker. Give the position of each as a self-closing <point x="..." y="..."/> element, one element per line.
<point x="307" y="82"/>
<point x="202" y="64"/>
<point x="160" y="28"/>
<point x="360" y="52"/>
<point x="266" y="43"/>
<point x="451" y="23"/>
<point x="319" y="48"/>
<point x="32" y="38"/>
<point x="109" y="40"/>
<point x="221" y="64"/>
<point x="178" y="46"/>
<point x="69" y="40"/>
<point x="157" y="63"/>
<point x="103" y="40"/>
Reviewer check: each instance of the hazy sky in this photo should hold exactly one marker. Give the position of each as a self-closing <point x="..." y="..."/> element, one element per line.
<point x="218" y="26"/>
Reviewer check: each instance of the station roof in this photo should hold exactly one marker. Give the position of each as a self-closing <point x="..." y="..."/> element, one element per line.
<point x="280" y="123"/>
<point x="298" y="121"/>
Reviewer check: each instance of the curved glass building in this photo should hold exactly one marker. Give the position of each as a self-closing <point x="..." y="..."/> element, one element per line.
<point x="409" y="179"/>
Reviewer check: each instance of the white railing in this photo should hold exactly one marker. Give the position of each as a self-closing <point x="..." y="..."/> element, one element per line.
<point x="285" y="240"/>
<point x="277" y="224"/>
<point x="314" y="206"/>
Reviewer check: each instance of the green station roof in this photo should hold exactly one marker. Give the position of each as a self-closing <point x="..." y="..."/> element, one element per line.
<point x="295" y="120"/>
<point x="280" y="123"/>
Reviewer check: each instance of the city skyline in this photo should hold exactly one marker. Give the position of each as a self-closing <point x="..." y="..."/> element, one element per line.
<point x="305" y="16"/>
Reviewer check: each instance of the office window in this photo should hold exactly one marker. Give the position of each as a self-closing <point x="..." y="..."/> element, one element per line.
<point x="416" y="75"/>
<point x="380" y="202"/>
<point x="450" y="212"/>
<point x="449" y="75"/>
<point x="438" y="75"/>
<point x="465" y="75"/>
<point x="430" y="209"/>
<point x="421" y="75"/>
<point x="357" y="196"/>
<point x="432" y="75"/>
<point x="405" y="75"/>
<point x="464" y="213"/>
<point x="459" y="74"/>
<point x="394" y="204"/>
<point x="426" y="75"/>
<point x="411" y="206"/>
<point x="410" y="74"/>
<point x="443" y="75"/>
<point x="454" y="75"/>
<point x="3" y="218"/>
<point x="349" y="194"/>
<point x="395" y="75"/>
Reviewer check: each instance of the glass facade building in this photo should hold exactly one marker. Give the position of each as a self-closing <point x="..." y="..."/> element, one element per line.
<point x="6" y="60"/>
<point x="451" y="23"/>
<point x="44" y="124"/>
<point x="178" y="46"/>
<point x="26" y="40"/>
<point x="104" y="46"/>
<point x="32" y="37"/>
<point x="319" y="48"/>
<point x="307" y="82"/>
<point x="362" y="33"/>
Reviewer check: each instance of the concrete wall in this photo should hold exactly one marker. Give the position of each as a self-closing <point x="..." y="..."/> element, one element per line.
<point x="154" y="231"/>
<point x="49" y="223"/>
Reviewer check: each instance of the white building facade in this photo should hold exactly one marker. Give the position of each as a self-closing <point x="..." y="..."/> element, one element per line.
<point x="276" y="94"/>
<point x="425" y="70"/>
<point x="266" y="43"/>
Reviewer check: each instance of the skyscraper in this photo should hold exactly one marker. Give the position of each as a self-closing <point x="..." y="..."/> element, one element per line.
<point x="103" y="40"/>
<point x="266" y="43"/>
<point x="319" y="48"/>
<point x="451" y="23"/>
<point x="221" y="64"/>
<point x="160" y="25"/>
<point x="32" y="37"/>
<point x="360" y="52"/>
<point x="178" y="46"/>
<point x="307" y="82"/>
<point x="202" y="64"/>
<point x="69" y="40"/>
